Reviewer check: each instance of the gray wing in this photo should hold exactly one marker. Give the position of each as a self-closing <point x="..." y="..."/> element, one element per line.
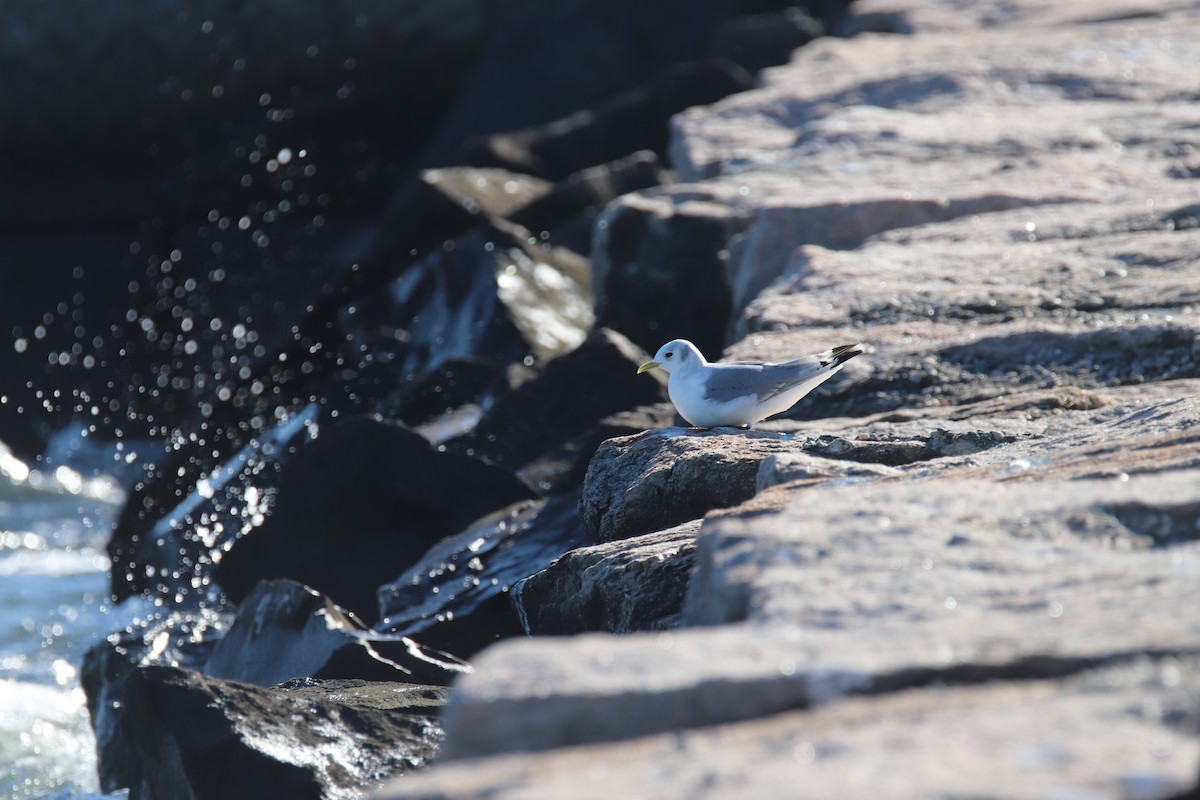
<point x="728" y="382"/>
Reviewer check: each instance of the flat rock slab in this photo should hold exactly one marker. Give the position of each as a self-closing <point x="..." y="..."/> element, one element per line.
<point x="654" y="480"/>
<point x="1112" y="732"/>
<point x="866" y="589"/>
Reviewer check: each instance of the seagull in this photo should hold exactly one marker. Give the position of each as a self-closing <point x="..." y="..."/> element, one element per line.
<point x="740" y="393"/>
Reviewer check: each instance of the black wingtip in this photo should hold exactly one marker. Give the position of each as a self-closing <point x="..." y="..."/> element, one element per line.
<point x="841" y="354"/>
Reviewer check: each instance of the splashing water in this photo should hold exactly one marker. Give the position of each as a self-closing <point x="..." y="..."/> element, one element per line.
<point x="53" y="527"/>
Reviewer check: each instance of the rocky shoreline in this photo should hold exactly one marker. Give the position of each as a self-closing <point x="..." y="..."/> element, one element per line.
<point x="484" y="561"/>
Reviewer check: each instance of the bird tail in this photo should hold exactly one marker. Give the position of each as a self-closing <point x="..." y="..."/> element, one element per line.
<point x="840" y="355"/>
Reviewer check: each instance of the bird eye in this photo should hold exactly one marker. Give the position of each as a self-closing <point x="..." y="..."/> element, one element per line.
<point x="669" y="354"/>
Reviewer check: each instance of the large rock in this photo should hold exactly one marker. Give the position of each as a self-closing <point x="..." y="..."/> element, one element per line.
<point x="284" y="630"/>
<point x="1087" y="735"/>
<point x="159" y="638"/>
<point x="864" y="589"/>
<point x="635" y="584"/>
<point x="456" y="597"/>
<point x="644" y="483"/>
<point x="198" y="737"/>
<point x="658" y="269"/>
<point x="345" y="529"/>
<point x="635" y="120"/>
<point x="559" y="57"/>
<point x="493" y="293"/>
<point x="570" y="395"/>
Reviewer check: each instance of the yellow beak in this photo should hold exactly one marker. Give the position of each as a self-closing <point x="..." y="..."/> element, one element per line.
<point x="649" y="365"/>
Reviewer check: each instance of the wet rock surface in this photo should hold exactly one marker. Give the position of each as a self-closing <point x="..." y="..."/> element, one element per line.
<point x="341" y="735"/>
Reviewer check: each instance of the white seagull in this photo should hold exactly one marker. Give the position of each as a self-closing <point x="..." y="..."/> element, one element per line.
<point x="740" y="393"/>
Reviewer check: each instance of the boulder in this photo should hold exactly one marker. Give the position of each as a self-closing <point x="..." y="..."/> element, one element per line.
<point x="456" y="596"/>
<point x="661" y="478"/>
<point x="199" y="737"/>
<point x="569" y="396"/>
<point x="634" y="120"/>
<point x="493" y="293"/>
<point x="634" y="584"/>
<point x="345" y="531"/>
<point x="862" y="589"/>
<point x="764" y="40"/>
<point x="160" y="637"/>
<point x="285" y="630"/>
<point x="658" y="267"/>
<point x="557" y="58"/>
<point x="1034" y="738"/>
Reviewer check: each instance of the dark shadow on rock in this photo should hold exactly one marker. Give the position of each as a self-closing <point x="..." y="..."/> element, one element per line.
<point x="456" y="597"/>
<point x="357" y="504"/>
<point x="284" y="630"/>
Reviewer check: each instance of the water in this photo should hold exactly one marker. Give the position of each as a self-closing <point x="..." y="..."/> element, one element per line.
<point x="54" y="525"/>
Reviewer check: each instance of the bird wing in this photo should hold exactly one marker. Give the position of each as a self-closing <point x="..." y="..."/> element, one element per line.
<point x="732" y="381"/>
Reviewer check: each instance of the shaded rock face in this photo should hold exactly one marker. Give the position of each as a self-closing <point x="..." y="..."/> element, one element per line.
<point x="456" y="596"/>
<point x="340" y="735"/>
<point x="395" y="491"/>
<point x="284" y="630"/>
<point x="571" y="394"/>
<point x="639" y="484"/>
<point x="632" y="121"/>
<point x="637" y="585"/>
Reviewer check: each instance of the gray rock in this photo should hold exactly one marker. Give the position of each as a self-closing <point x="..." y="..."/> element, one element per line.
<point x="658" y="269"/>
<point x="303" y="515"/>
<point x="644" y="483"/>
<point x="863" y="589"/>
<point x="285" y="630"/>
<point x="198" y="737"/>
<point x="923" y="16"/>
<point x="1109" y="732"/>
<point x="456" y="596"/>
<point x="635" y="584"/>
<point x="634" y="120"/>
<point x="568" y="397"/>
<point x="160" y="638"/>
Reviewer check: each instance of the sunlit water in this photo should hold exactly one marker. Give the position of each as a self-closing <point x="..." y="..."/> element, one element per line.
<point x="53" y="606"/>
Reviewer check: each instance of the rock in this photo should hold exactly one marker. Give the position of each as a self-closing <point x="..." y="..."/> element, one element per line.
<point x="200" y="737"/>
<point x="861" y="589"/>
<point x="175" y="638"/>
<point x="346" y="531"/>
<point x="635" y="584"/>
<point x="492" y="293"/>
<point x="764" y="40"/>
<point x="1080" y="734"/>
<point x="790" y="467"/>
<point x="887" y="16"/>
<point x="634" y="120"/>
<point x="565" y="466"/>
<point x="557" y="58"/>
<point x="570" y="395"/>
<point x="566" y="215"/>
<point x="456" y="596"/>
<point x="639" y="484"/>
<point x="657" y="267"/>
<point x="285" y="630"/>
